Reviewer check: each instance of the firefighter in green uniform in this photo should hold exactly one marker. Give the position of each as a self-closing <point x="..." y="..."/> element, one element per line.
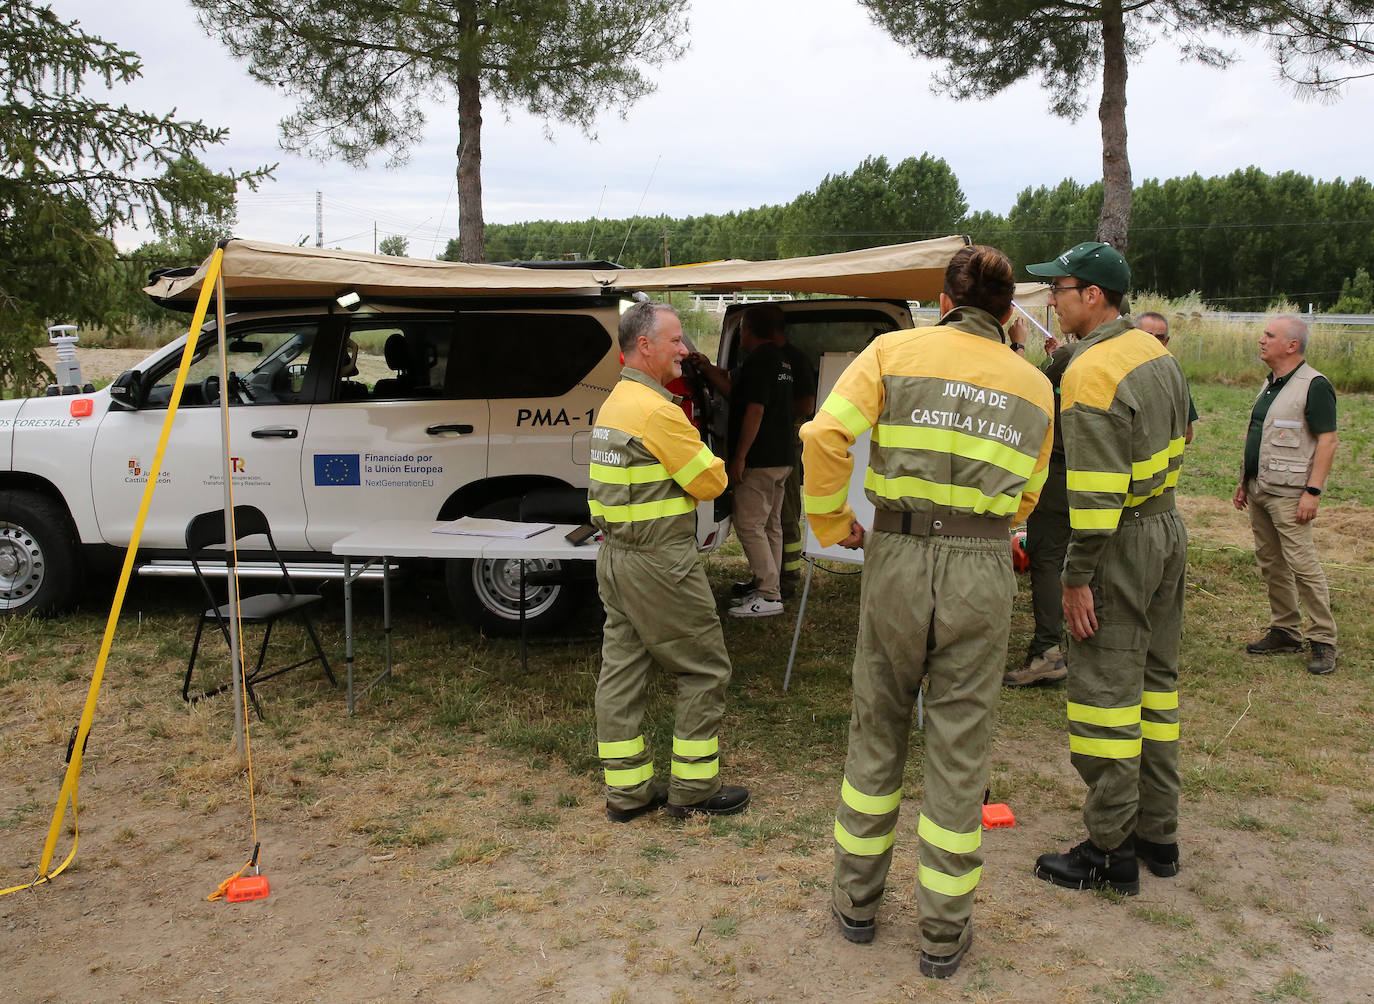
<point x="649" y="468"/>
<point x="1124" y="408"/>
<point x="961" y="437"/>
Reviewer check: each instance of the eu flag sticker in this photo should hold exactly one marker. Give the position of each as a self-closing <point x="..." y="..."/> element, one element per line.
<point x="337" y="469"/>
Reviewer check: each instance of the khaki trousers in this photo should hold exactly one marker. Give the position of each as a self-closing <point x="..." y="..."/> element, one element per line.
<point x="758" y="524"/>
<point x="1287" y="559"/>
<point x="659" y="608"/>
<point x="936" y="609"/>
<point x="1123" y="684"/>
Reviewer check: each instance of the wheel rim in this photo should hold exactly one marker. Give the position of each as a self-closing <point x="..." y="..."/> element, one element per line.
<point x="21" y="566"/>
<point x="497" y="585"/>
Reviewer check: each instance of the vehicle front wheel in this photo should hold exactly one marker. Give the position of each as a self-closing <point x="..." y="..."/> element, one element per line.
<point x="487" y="592"/>
<point x="37" y="554"/>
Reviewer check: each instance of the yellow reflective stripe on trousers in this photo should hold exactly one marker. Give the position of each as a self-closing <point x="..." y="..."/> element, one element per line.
<point x="1115" y="482"/>
<point x="1094" y="519"/>
<point x="696" y="747"/>
<point x="792" y="547"/>
<point x="955" y="443"/>
<point x="952" y="496"/>
<point x="863" y="846"/>
<point x="846" y="414"/>
<point x="1148" y="468"/>
<point x="1159" y="700"/>
<point x="1159" y="732"/>
<point x="641" y="474"/>
<point x="620" y="750"/>
<point x="869" y="805"/>
<point x="1105" y="749"/>
<point x="630" y="776"/>
<point x="948" y="885"/>
<point x="639" y="512"/>
<point x="1109" y="717"/>
<point x="948" y="840"/>
<point x="695" y="771"/>
<point x="826" y="503"/>
<point x="693" y="469"/>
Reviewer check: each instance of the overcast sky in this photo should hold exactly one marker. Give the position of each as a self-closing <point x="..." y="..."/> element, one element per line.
<point x="765" y="103"/>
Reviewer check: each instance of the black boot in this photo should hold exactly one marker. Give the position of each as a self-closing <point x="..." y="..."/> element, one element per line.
<point x="1088" y="866"/>
<point x="1161" y="859"/>
<point x="729" y="800"/>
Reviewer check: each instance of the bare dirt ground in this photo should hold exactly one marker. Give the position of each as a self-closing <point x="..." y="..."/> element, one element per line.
<point x="509" y="884"/>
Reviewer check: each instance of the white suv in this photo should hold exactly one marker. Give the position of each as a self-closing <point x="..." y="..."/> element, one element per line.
<point x="471" y="406"/>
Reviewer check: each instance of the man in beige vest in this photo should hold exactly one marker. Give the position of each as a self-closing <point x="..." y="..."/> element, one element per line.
<point x="1288" y="451"/>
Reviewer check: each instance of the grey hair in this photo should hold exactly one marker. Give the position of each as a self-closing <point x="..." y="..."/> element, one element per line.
<point x="1297" y="330"/>
<point x="641" y="319"/>
<point x="1158" y="316"/>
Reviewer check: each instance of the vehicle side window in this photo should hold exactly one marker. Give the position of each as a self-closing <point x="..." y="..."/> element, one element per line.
<point x="500" y="355"/>
<point x="266" y="365"/>
<point x="395" y="359"/>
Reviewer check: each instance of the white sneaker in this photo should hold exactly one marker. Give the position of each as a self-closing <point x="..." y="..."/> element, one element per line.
<point x="756" y="606"/>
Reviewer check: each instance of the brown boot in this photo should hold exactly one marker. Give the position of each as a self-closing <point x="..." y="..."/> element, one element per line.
<point x="1047" y="667"/>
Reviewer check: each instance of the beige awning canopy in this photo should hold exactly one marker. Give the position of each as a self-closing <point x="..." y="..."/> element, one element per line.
<point x="256" y="270"/>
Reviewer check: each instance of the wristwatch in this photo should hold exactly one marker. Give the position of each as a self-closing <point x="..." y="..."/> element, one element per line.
<point x="1018" y="346"/>
<point x="1312" y="490"/>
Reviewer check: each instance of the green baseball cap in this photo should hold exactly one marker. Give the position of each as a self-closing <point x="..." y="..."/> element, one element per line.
<point x="1093" y="262"/>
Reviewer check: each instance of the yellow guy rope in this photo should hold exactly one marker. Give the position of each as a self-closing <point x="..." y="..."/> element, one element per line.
<point x="69" y="782"/>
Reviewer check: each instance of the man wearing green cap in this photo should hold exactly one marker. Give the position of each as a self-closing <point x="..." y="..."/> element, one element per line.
<point x="1124" y="408"/>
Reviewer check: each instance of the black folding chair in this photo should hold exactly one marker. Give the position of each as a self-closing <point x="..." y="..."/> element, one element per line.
<point x="205" y="542"/>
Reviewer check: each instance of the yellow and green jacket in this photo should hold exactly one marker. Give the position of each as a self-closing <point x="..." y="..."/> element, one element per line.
<point x="649" y="467"/>
<point x="1124" y="410"/>
<point x="959" y="422"/>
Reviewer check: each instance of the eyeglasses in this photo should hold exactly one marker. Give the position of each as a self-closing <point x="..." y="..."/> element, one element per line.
<point x="1056" y="290"/>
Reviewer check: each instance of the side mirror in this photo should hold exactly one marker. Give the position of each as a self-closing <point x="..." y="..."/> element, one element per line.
<point x="126" y="391"/>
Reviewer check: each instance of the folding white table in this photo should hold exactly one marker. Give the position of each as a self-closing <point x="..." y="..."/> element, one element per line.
<point x="387" y="540"/>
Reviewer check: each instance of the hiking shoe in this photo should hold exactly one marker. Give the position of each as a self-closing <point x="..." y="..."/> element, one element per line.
<point x="1161" y="859"/>
<point x="729" y="800"/>
<point x="740" y="589"/>
<point x="1047" y="667"/>
<point x="1276" y="642"/>
<point x="756" y="606"/>
<point x="860" y="932"/>
<point x="1323" y="658"/>
<point x="942" y="967"/>
<point x="1088" y="866"/>
<point x="657" y="801"/>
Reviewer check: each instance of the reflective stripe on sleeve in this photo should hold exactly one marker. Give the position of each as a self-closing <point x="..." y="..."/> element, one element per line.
<point x="863" y="846"/>
<point x="628" y="777"/>
<point x="948" y="885"/>
<point x="637" y="512"/>
<point x="620" y="750"/>
<point x="948" y="840"/>
<point x="1142" y="470"/>
<point x="869" y="805"/>
<point x="1098" y="481"/>
<point x="822" y="504"/>
<point x="1108" y="717"/>
<point x="846" y="414"/>
<point x="694" y="468"/>
<point x="1094" y="519"/>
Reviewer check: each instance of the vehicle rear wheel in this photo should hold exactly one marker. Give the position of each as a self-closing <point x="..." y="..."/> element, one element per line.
<point x="487" y="592"/>
<point x="37" y="554"/>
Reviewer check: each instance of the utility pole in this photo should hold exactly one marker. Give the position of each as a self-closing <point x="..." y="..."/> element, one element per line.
<point x="666" y="262"/>
<point x="319" y="219"/>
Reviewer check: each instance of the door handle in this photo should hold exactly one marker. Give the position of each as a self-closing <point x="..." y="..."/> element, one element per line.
<point x="284" y="433"/>
<point x="438" y="430"/>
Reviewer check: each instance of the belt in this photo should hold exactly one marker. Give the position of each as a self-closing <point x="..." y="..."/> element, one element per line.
<point x="941" y="523"/>
<point x="1151" y="507"/>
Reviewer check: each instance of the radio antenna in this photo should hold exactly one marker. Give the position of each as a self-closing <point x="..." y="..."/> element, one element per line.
<point x="637" y="208"/>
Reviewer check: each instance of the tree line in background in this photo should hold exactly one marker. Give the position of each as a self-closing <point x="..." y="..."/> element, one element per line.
<point x="1243" y="240"/>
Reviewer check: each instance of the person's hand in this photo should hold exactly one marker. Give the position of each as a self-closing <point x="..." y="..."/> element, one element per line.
<point x="1307" y="508"/>
<point x="698" y="361"/>
<point x="734" y="471"/>
<point x="1017" y="332"/>
<point x="855" y="540"/>
<point x="1079" y="614"/>
<point x="1240" y="500"/>
<point x="1051" y="343"/>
